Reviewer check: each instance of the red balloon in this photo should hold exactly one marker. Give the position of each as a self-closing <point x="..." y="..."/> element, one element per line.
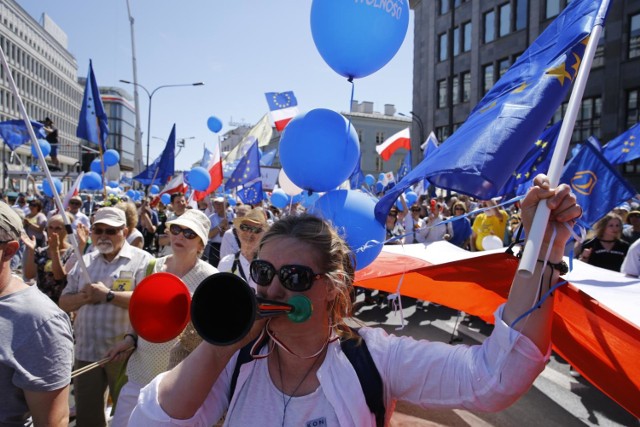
<point x="159" y="307"/>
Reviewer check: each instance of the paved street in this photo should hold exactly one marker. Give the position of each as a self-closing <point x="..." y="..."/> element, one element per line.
<point x="556" y="398"/>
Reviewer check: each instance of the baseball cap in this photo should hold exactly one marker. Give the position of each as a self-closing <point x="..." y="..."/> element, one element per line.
<point x="196" y="221"/>
<point x="10" y="222"/>
<point x="113" y="217"/>
<point x="218" y="200"/>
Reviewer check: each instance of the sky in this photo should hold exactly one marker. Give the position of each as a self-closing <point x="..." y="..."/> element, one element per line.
<point x="240" y="49"/>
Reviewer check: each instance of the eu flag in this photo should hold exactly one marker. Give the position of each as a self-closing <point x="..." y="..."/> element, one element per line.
<point x="92" y="124"/>
<point x="251" y="194"/>
<point x="625" y="147"/>
<point x="268" y="157"/>
<point x="405" y="166"/>
<point x="481" y="155"/>
<point x="248" y="168"/>
<point x="15" y="133"/>
<point x="536" y="161"/>
<point x="356" y="180"/>
<point x="596" y="183"/>
<point x="163" y="167"/>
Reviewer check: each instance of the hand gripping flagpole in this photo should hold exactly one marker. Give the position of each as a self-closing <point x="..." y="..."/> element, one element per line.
<point x="532" y="247"/>
<point x="43" y="165"/>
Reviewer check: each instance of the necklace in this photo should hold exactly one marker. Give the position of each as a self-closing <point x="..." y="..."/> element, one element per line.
<point x="285" y="402"/>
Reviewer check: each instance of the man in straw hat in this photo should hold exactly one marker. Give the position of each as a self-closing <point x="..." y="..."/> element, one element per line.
<point x="36" y="343"/>
<point x="102" y="318"/>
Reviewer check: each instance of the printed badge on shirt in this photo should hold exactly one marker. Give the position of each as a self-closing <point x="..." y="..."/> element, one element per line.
<point x="123" y="283"/>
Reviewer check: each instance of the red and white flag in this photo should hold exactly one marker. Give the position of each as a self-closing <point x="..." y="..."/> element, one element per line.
<point x="176" y="185"/>
<point x="401" y="139"/>
<point x="283" y="107"/>
<point x="215" y="172"/>
<point x="73" y="191"/>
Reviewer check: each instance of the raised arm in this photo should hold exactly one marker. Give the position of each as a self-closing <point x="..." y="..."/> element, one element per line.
<point x="524" y="292"/>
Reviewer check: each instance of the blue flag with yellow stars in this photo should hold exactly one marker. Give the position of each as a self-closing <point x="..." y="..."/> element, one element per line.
<point x="15" y="133"/>
<point x="536" y="161"/>
<point x="481" y="155"/>
<point x="92" y="124"/>
<point x="248" y="168"/>
<point x="251" y="194"/>
<point x="596" y="183"/>
<point x="163" y="167"/>
<point x="625" y="147"/>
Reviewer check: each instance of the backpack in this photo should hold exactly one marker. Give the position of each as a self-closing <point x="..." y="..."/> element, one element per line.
<point x="358" y="354"/>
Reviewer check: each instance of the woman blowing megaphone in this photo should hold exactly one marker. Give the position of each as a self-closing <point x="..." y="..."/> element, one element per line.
<point x="188" y="234"/>
<point x="301" y="375"/>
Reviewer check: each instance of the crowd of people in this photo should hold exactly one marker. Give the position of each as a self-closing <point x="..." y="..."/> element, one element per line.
<point x="278" y="253"/>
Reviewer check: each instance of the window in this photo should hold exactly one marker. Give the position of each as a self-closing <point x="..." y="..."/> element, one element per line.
<point x="553" y="8"/>
<point x="588" y="121"/>
<point x="456" y="41"/>
<point x="442" y="133"/>
<point x="633" y="112"/>
<point x="444" y="6"/>
<point x="442" y="94"/>
<point x="505" y="19"/>
<point x="503" y="66"/>
<point x="489" y="20"/>
<point x="634" y="36"/>
<point x="442" y="42"/>
<point x="379" y="138"/>
<point x="487" y="77"/>
<point x="521" y="14"/>
<point x="466" y="36"/>
<point x="455" y="90"/>
<point x="598" y="58"/>
<point x="466" y="86"/>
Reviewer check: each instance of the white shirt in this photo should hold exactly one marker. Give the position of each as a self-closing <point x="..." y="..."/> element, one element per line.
<point x="487" y="377"/>
<point x="226" y="266"/>
<point x="631" y="263"/>
<point x="409" y="224"/>
<point x="229" y="244"/>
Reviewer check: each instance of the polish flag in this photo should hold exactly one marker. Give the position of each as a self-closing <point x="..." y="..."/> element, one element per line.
<point x="73" y="191"/>
<point x="176" y="185"/>
<point x="215" y="172"/>
<point x="401" y="139"/>
<point x="283" y="107"/>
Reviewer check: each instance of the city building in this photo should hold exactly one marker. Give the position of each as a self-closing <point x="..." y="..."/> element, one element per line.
<point x="462" y="47"/>
<point x="121" y="116"/>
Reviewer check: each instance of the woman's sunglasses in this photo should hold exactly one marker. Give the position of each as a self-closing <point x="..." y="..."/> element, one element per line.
<point x="296" y="278"/>
<point x="186" y="232"/>
<point x="251" y="229"/>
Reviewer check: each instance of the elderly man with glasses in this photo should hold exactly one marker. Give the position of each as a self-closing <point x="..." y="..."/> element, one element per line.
<point x="101" y="306"/>
<point x="75" y="205"/>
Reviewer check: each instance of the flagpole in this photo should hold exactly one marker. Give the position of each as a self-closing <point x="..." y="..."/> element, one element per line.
<point x="44" y="166"/>
<point x="532" y="246"/>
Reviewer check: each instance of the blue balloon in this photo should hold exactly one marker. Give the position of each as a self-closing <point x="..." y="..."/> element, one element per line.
<point x="308" y="200"/>
<point x="154" y="189"/>
<point x="131" y="193"/>
<point x="357" y="38"/>
<point x="231" y="201"/>
<point x="45" y="147"/>
<point x="370" y="180"/>
<point x="319" y="150"/>
<point x="297" y="198"/>
<point x="165" y="198"/>
<point x="352" y="214"/>
<point x="91" y="181"/>
<point x="279" y="198"/>
<point x="111" y="158"/>
<point x="96" y="166"/>
<point x="214" y="124"/>
<point x="411" y="197"/>
<point x="199" y="178"/>
<point x="379" y="187"/>
<point x="381" y="177"/>
<point x="46" y="188"/>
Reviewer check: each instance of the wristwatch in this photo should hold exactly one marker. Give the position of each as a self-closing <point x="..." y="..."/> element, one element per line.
<point x="560" y="267"/>
<point x="110" y="296"/>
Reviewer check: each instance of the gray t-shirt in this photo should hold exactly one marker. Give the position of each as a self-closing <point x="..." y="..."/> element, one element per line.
<point x="36" y="351"/>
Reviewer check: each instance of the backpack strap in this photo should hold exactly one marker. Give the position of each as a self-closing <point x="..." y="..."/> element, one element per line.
<point x="358" y="354"/>
<point x="243" y="357"/>
<point x="150" y="267"/>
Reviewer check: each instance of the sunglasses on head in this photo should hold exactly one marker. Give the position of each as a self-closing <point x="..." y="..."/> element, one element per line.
<point x="251" y="228"/>
<point x="296" y="278"/>
<point x="108" y="231"/>
<point x="186" y="232"/>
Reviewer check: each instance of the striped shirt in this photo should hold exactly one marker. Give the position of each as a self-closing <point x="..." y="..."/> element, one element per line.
<point x="98" y="327"/>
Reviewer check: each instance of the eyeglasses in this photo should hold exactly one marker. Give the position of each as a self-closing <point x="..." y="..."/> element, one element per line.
<point x="108" y="231"/>
<point x="393" y="215"/>
<point x="296" y="278"/>
<point x="415" y="210"/>
<point x="251" y="229"/>
<point x="186" y="232"/>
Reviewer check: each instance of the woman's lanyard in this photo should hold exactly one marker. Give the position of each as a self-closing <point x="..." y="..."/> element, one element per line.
<point x="238" y="265"/>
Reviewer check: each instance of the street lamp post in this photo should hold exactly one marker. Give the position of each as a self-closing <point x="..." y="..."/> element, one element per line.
<point x="418" y="120"/>
<point x="150" y="95"/>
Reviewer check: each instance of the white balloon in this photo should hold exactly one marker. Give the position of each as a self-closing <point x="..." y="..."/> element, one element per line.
<point x="491" y="242"/>
<point x="289" y="187"/>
